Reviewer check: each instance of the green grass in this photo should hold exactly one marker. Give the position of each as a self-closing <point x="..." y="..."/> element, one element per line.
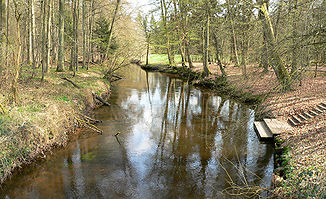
<point x="162" y="58"/>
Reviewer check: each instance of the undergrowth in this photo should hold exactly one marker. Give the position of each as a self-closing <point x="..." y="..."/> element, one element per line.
<point x="44" y="115"/>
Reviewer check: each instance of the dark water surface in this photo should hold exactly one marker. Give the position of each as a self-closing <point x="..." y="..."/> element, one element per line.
<point x="176" y="142"/>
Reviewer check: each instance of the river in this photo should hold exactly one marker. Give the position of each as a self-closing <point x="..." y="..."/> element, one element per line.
<point x="175" y="141"/>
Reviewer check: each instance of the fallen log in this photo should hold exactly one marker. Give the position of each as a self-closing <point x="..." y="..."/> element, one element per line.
<point x="73" y="83"/>
<point x="101" y="99"/>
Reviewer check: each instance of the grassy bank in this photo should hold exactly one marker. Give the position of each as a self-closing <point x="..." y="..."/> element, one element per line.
<point x="46" y="114"/>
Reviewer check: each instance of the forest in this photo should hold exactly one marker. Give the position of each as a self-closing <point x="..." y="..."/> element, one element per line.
<point x="60" y="60"/>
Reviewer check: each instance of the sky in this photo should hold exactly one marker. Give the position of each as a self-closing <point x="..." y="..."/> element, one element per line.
<point x="144" y="5"/>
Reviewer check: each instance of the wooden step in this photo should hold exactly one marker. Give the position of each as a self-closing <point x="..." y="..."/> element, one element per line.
<point x="321" y="107"/>
<point x="276" y="126"/>
<point x="317" y="110"/>
<point x="313" y="113"/>
<point x="302" y="117"/>
<point x="292" y="122"/>
<point x="262" y="131"/>
<point x="297" y="120"/>
<point x="308" y="115"/>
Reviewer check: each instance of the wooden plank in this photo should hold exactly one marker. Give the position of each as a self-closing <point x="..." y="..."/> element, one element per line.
<point x="262" y="131"/>
<point x="324" y="104"/>
<point x="297" y="120"/>
<point x="318" y="110"/>
<point x="308" y="115"/>
<point x="276" y="126"/>
<point x="313" y="113"/>
<point x="302" y="117"/>
<point x="321" y="107"/>
<point x="292" y="123"/>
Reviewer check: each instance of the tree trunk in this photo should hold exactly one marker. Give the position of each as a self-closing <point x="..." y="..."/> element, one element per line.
<point x="44" y="39"/>
<point x="264" y="54"/>
<point x="166" y="32"/>
<point x="219" y="63"/>
<point x="7" y="33"/>
<point x="233" y="35"/>
<point x="147" y="53"/>
<point x="112" y="25"/>
<point x="61" y="59"/>
<point x="294" y="40"/>
<point x="280" y="71"/>
<point x="1" y="29"/>
<point x="84" y="33"/>
<point x="76" y="36"/>
<point x="14" y="86"/>
<point x="206" y="44"/>
<point x="90" y="36"/>
<point x="48" y="37"/>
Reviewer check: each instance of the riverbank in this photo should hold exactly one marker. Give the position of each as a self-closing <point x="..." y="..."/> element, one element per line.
<point x="302" y="163"/>
<point x="217" y="84"/>
<point x="46" y="114"/>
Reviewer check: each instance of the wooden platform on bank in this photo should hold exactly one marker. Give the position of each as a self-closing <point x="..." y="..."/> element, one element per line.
<point x="267" y="128"/>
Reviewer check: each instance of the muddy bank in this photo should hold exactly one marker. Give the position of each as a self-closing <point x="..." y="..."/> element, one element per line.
<point x="46" y="116"/>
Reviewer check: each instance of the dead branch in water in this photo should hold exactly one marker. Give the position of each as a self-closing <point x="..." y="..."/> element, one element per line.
<point x="89" y="125"/>
<point x="89" y="119"/>
<point x="73" y="83"/>
<point x="101" y="99"/>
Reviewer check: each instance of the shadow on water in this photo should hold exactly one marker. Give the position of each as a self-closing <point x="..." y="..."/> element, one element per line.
<point x="175" y="141"/>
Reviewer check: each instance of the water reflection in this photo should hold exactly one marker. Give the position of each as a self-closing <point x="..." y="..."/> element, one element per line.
<point x="175" y="142"/>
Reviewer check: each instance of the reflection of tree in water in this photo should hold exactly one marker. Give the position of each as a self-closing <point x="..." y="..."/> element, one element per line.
<point x="197" y="138"/>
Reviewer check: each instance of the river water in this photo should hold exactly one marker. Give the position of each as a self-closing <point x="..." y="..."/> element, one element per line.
<point x="175" y="141"/>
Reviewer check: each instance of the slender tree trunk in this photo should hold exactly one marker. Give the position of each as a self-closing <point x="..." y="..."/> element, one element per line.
<point x="14" y="86"/>
<point x="219" y="63"/>
<point x="166" y="32"/>
<point x="74" y="45"/>
<point x="244" y="52"/>
<point x="233" y="35"/>
<point x="90" y="36"/>
<point x="294" y="40"/>
<point x="7" y="34"/>
<point x="44" y="39"/>
<point x="76" y="36"/>
<point x="1" y="29"/>
<point x="206" y="44"/>
<point x="147" y="53"/>
<point x="184" y="23"/>
<point x="112" y="25"/>
<point x="32" y="35"/>
<point x="61" y="59"/>
<point x="71" y="67"/>
<point x="84" y="33"/>
<point x="48" y="37"/>
<point x="264" y="54"/>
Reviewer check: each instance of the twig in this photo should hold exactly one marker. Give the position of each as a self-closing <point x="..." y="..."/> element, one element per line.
<point x="75" y="85"/>
<point x="91" y="120"/>
<point x="89" y="125"/>
<point x="3" y="109"/>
